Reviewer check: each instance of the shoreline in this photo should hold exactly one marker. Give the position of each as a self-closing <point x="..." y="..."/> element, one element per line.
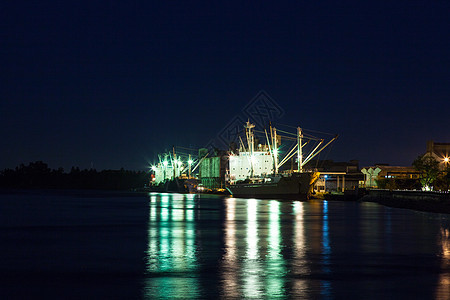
<point x="434" y="202"/>
<point x="416" y="200"/>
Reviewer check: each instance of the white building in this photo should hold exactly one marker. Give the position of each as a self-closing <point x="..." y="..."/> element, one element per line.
<point x="241" y="165"/>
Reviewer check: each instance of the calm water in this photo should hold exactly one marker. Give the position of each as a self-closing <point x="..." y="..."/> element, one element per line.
<point x="112" y="245"/>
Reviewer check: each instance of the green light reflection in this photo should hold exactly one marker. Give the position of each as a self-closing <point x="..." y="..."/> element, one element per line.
<point x="171" y="248"/>
<point x="164" y="207"/>
<point x="153" y="208"/>
<point x="178" y="207"/>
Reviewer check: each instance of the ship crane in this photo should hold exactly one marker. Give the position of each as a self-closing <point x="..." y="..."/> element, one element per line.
<point x="254" y="172"/>
<point x="251" y="144"/>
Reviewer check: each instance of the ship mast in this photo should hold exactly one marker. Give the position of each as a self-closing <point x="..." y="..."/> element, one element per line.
<point x="299" y="150"/>
<point x="251" y="143"/>
<point x="190" y="163"/>
<point x="275" y="150"/>
<point x="174" y="162"/>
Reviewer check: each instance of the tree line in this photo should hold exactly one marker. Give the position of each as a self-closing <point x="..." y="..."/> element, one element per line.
<point x="39" y="175"/>
<point x="431" y="176"/>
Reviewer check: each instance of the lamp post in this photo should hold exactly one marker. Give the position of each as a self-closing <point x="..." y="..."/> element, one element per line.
<point x="446" y="161"/>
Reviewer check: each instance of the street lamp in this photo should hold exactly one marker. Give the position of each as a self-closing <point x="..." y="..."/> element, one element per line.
<point x="446" y="160"/>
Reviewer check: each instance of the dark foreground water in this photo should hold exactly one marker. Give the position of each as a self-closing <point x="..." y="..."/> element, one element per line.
<point x="92" y="245"/>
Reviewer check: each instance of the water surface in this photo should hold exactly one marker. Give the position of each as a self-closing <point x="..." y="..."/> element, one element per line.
<point x="75" y="244"/>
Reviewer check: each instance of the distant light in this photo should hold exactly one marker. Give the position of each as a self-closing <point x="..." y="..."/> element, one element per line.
<point x="190" y="161"/>
<point x="426" y="188"/>
<point x="275" y="151"/>
<point x="325" y="176"/>
<point x="154" y="168"/>
<point x="446" y="159"/>
<point x="179" y="163"/>
<point x="165" y="163"/>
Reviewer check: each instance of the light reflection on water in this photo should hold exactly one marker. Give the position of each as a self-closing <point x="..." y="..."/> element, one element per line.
<point x="171" y="247"/>
<point x="326" y="251"/>
<point x="300" y="267"/>
<point x="203" y="247"/>
<point x="230" y="263"/>
<point x="251" y="278"/>
<point x="443" y="289"/>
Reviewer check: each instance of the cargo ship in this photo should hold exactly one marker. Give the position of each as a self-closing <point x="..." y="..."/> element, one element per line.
<point x="254" y="170"/>
<point x="174" y="173"/>
<point x="297" y="186"/>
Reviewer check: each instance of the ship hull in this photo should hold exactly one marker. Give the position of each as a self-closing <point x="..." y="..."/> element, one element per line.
<point x="295" y="187"/>
<point x="173" y="186"/>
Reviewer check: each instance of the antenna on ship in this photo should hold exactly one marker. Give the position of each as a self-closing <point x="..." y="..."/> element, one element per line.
<point x="174" y="162"/>
<point x="275" y="149"/>
<point x="299" y="150"/>
<point x="251" y="143"/>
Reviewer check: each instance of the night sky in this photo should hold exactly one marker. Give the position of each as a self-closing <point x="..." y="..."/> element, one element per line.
<point x="110" y="85"/>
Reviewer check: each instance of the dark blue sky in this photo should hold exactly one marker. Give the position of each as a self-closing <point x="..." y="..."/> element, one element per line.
<point x="112" y="84"/>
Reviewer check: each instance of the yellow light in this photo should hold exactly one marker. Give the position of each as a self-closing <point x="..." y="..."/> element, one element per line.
<point x="446" y="159"/>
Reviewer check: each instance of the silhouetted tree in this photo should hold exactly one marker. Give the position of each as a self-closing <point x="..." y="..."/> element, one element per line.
<point x="428" y="168"/>
<point x="39" y="175"/>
